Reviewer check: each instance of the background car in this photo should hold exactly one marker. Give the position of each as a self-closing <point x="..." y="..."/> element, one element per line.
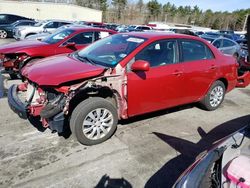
<point x="234" y="36"/>
<point x="10" y="18"/>
<point x="44" y="26"/>
<point x="18" y="54"/>
<point x="228" y="46"/>
<point x="138" y="28"/>
<point x="7" y="30"/>
<point x="43" y="35"/>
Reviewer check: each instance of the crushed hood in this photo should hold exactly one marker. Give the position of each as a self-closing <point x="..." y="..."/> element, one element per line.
<point x="55" y="70"/>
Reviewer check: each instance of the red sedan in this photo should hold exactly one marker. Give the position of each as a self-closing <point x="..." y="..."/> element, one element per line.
<point x="121" y="76"/>
<point x="15" y="55"/>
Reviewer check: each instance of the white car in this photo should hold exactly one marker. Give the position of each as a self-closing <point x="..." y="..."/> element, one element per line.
<point x="43" y="35"/>
<point x="21" y="33"/>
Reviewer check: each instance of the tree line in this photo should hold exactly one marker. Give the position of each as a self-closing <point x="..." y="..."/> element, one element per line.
<point x="131" y="12"/>
<point x="140" y="12"/>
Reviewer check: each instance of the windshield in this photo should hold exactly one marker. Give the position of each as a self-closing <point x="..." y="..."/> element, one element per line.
<point x="58" y="36"/>
<point x="111" y="50"/>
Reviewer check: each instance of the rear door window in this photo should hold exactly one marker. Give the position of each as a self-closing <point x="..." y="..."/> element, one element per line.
<point x="227" y="43"/>
<point x="192" y="50"/>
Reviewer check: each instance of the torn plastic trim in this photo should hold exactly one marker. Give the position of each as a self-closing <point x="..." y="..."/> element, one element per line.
<point x="114" y="79"/>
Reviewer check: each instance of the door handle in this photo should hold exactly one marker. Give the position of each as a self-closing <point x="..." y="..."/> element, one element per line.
<point x="213" y="67"/>
<point x="177" y="73"/>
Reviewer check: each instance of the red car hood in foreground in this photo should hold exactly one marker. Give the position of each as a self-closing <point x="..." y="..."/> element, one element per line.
<point x="55" y="70"/>
<point x="21" y="45"/>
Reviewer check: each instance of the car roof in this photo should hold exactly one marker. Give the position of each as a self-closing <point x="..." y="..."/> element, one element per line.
<point x="56" y="20"/>
<point x="153" y="35"/>
<point x="25" y="21"/>
<point x="79" y="28"/>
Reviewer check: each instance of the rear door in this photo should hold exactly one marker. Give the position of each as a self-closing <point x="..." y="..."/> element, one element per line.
<point x="199" y="67"/>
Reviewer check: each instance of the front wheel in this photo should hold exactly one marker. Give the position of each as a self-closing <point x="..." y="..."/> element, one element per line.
<point x="214" y="97"/>
<point x="93" y="121"/>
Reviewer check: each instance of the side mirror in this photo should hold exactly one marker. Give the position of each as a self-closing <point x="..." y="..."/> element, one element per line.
<point x="70" y="44"/>
<point x="140" y="65"/>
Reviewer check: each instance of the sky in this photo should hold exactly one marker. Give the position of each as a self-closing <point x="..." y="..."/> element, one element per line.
<point x="219" y="5"/>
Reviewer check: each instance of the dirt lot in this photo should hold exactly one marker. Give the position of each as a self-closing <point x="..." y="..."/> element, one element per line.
<point x="147" y="151"/>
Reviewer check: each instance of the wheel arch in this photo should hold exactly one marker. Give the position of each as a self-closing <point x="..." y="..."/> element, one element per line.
<point x="28" y="34"/>
<point x="224" y="81"/>
<point x="103" y="92"/>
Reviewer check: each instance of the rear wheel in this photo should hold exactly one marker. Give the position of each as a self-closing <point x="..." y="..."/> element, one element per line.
<point x="214" y="97"/>
<point x="3" y="34"/>
<point x="93" y="121"/>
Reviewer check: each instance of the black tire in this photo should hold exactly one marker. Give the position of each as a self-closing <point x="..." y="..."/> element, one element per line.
<point x="81" y="112"/>
<point x="205" y="102"/>
<point x="13" y="76"/>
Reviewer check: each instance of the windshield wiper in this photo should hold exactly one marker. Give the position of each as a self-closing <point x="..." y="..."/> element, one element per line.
<point x="85" y="59"/>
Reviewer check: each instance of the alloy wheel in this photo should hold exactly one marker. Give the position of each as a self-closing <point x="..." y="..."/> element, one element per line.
<point x="3" y="34"/>
<point x="216" y="96"/>
<point x="97" y="123"/>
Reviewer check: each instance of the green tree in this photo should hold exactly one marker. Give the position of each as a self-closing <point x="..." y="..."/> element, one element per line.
<point x="103" y="6"/>
<point x="154" y="8"/>
<point x="120" y="6"/>
<point x="140" y="5"/>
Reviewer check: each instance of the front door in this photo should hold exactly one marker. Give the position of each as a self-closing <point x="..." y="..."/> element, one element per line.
<point x="161" y="86"/>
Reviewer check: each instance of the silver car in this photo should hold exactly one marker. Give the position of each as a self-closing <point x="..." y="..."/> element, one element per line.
<point x="44" y="26"/>
<point x="227" y="46"/>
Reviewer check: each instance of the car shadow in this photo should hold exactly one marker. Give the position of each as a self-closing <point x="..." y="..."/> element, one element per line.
<point x="67" y="132"/>
<point x="35" y="121"/>
<point x="168" y="173"/>
<point x="157" y="113"/>
<point x="107" y="182"/>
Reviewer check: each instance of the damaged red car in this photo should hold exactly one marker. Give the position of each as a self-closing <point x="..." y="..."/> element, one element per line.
<point x="121" y="76"/>
<point x="16" y="55"/>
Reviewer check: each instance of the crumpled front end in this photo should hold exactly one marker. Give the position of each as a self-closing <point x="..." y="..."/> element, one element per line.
<point x="54" y="104"/>
<point x="11" y="62"/>
<point x="28" y="100"/>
